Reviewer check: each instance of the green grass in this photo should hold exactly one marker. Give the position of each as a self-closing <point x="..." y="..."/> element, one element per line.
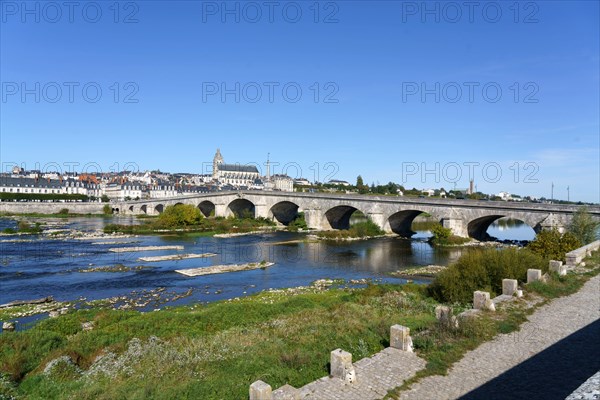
<point x="203" y="227"/>
<point x="212" y="351"/>
<point x="358" y="230"/>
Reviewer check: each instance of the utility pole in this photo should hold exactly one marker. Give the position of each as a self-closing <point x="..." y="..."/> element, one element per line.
<point x="568" y="196"/>
<point x="552" y="193"/>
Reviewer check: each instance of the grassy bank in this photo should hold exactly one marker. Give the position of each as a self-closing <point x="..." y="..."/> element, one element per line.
<point x="188" y="219"/>
<point x="207" y="352"/>
<point x="358" y="230"/>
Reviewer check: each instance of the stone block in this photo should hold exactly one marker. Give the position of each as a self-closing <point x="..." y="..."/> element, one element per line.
<point x="479" y="299"/>
<point x="260" y="390"/>
<point x="509" y="287"/>
<point x="286" y="392"/>
<point x="341" y="366"/>
<point x="553" y="264"/>
<point x="534" y="275"/>
<point x="443" y="313"/>
<point x="558" y="267"/>
<point x="400" y="338"/>
<point x="519" y="293"/>
<point x="489" y="305"/>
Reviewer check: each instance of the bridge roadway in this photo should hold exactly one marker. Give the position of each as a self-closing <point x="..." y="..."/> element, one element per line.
<point x="325" y="211"/>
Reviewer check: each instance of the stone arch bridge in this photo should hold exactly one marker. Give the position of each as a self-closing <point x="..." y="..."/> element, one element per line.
<point x="467" y="218"/>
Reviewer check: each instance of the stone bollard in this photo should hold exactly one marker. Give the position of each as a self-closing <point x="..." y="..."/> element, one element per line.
<point x="480" y="300"/>
<point x="558" y="267"/>
<point x="443" y="313"/>
<point x="534" y="275"/>
<point x="8" y="326"/>
<point x="509" y="287"/>
<point x="260" y="390"/>
<point x="400" y="338"/>
<point x="286" y="392"/>
<point x="341" y="366"/>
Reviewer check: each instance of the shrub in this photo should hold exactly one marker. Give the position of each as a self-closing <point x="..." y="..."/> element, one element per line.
<point x="359" y="230"/>
<point x="483" y="269"/>
<point x="107" y="210"/>
<point x="444" y="237"/>
<point x="583" y="226"/>
<point x="298" y="223"/>
<point x="554" y="245"/>
<point x="180" y="215"/>
<point x="63" y="211"/>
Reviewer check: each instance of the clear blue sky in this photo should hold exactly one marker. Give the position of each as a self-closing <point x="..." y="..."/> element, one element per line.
<point x="374" y="58"/>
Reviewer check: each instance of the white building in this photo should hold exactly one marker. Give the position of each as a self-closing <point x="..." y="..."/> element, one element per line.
<point x="283" y="183"/>
<point x="116" y="191"/>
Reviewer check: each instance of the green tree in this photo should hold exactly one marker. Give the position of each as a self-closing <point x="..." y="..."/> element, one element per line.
<point x="360" y="185"/>
<point x="583" y="226"/>
<point x="359" y="181"/>
<point x="104" y="198"/>
<point x="180" y="215"/>
<point x="554" y="245"/>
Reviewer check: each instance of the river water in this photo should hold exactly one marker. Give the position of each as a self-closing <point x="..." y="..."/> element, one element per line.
<point x="38" y="266"/>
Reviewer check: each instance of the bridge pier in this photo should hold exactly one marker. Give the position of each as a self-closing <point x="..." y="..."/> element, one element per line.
<point x="261" y="211"/>
<point x="315" y="219"/>
<point x="457" y="226"/>
<point x="221" y="210"/>
<point x="381" y="220"/>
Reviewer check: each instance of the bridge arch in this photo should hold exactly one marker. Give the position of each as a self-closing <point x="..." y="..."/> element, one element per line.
<point x="401" y="222"/>
<point x="242" y="208"/>
<point x="159" y="208"/>
<point x="207" y="208"/>
<point x="477" y="228"/>
<point x="131" y="209"/>
<point x="144" y="209"/>
<point x="338" y="217"/>
<point x="284" y="212"/>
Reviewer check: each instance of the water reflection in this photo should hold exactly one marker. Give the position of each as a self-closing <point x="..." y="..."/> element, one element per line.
<point x="510" y="229"/>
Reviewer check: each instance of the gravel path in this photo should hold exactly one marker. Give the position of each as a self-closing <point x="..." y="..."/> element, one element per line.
<point x="555" y="351"/>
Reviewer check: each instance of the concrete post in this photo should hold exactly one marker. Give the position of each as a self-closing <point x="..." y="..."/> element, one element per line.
<point x="558" y="267"/>
<point x="534" y="275"/>
<point x="286" y="392"/>
<point x="259" y="390"/>
<point x="480" y="300"/>
<point x="400" y="338"/>
<point x="509" y="287"/>
<point x="443" y="313"/>
<point x="341" y="366"/>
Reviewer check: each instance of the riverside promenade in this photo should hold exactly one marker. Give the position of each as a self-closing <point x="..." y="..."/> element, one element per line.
<point x="553" y="353"/>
